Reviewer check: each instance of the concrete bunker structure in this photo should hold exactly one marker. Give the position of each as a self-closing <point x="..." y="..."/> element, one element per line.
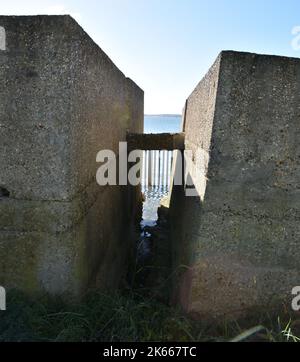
<point x="237" y="244"/>
<point x="61" y="101"/>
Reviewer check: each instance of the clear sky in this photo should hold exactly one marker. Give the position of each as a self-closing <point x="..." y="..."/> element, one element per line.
<point x="166" y="46"/>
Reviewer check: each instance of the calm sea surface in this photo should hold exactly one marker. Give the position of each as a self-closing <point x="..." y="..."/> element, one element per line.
<point x="153" y="195"/>
<point x="162" y="123"/>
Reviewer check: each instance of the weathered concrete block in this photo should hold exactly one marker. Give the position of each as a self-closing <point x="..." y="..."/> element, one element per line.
<point x="240" y="237"/>
<point x="158" y="141"/>
<point x="62" y="100"/>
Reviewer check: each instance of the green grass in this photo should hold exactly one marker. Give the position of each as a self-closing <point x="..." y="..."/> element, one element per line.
<point x="127" y="316"/>
<point x="100" y="317"/>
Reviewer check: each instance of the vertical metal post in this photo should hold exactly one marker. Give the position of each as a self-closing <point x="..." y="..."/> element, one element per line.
<point x="158" y="170"/>
<point x="144" y="169"/>
<point x="168" y="168"/>
<point x="170" y="175"/>
<point x="163" y="167"/>
<point x="149" y="168"/>
<point x="154" y="167"/>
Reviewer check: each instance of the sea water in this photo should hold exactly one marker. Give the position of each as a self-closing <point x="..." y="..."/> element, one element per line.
<point x="162" y="123"/>
<point x="153" y="195"/>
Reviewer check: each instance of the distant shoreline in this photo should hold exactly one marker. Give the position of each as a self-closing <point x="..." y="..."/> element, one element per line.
<point x="162" y="115"/>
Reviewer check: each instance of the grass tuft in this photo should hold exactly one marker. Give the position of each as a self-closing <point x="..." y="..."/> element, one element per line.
<point x="126" y="316"/>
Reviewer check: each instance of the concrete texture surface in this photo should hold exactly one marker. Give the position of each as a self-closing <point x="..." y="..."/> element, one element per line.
<point x="158" y="141"/>
<point x="62" y="101"/>
<point x="236" y="248"/>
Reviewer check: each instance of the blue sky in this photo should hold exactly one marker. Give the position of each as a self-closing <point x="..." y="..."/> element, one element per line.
<point x="166" y="46"/>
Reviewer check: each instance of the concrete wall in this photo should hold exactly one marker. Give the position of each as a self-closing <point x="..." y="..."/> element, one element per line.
<point x="61" y="101"/>
<point x="239" y="239"/>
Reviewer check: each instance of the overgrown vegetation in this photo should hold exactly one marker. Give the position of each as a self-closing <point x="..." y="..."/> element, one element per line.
<point x="138" y="313"/>
<point x="126" y="316"/>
